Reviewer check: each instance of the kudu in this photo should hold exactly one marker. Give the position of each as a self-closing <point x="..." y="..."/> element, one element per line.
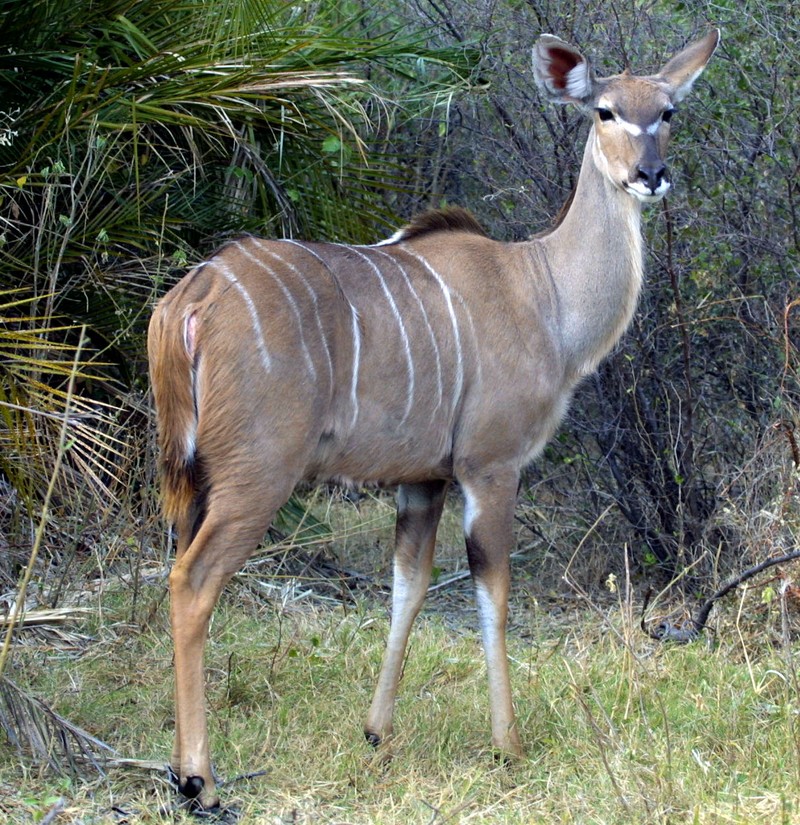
<point x="437" y="355"/>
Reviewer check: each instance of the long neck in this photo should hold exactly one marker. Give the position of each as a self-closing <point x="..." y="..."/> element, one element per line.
<point x="595" y="260"/>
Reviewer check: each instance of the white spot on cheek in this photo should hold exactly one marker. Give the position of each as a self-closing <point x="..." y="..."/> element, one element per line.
<point x="631" y="128"/>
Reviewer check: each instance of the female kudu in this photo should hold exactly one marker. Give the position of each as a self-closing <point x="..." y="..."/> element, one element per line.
<point x="436" y="355"/>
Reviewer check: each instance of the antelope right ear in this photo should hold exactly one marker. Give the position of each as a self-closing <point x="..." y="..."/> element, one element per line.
<point x="562" y="73"/>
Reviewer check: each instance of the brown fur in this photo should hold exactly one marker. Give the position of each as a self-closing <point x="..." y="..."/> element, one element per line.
<point x="449" y="219"/>
<point x="170" y="379"/>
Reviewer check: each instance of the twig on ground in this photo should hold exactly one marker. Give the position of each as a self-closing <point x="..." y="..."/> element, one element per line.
<point x="243" y="777"/>
<point x="54" y="811"/>
<point x="33" y="726"/>
<point x="690" y="630"/>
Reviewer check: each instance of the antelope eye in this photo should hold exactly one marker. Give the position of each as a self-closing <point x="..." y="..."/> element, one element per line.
<point x="667" y="115"/>
<point x="605" y="114"/>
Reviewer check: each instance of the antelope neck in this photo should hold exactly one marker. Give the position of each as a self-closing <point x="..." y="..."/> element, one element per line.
<point x="595" y="261"/>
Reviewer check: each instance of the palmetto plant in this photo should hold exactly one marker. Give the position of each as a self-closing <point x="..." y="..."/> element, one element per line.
<point x="133" y="136"/>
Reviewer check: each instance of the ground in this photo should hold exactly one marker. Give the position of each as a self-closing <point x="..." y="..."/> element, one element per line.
<point x="617" y="728"/>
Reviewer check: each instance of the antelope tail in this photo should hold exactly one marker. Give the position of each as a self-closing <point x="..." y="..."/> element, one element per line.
<point x="173" y="362"/>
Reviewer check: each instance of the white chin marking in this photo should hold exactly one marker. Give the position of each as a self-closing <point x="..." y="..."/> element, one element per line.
<point x="645" y="194"/>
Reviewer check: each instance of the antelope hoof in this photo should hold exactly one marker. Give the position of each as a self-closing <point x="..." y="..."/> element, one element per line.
<point x="505" y="758"/>
<point x="508" y="754"/>
<point x="192" y="791"/>
<point x="192" y="787"/>
<point x="382" y="756"/>
<point x="373" y="738"/>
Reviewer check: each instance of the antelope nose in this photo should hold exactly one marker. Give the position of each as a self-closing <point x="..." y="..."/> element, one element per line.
<point x="651" y="174"/>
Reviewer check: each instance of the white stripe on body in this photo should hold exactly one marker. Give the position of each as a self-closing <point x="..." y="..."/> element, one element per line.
<point x="289" y="297"/>
<point x="261" y="346"/>
<point x="314" y="299"/>
<point x="356" y="332"/>
<point x="459" y="385"/>
<point x="403" y="332"/>
<point x="356" y="365"/>
<point x="431" y="333"/>
<point x="473" y="335"/>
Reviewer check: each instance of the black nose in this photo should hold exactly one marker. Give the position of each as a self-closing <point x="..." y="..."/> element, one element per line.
<point x="651" y="174"/>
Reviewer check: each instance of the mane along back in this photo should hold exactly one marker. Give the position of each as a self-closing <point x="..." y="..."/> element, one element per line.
<point x="449" y="219"/>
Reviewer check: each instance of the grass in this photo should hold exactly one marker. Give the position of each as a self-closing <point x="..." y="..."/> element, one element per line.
<point x="617" y="729"/>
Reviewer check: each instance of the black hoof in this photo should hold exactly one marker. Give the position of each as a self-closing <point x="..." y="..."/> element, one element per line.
<point x="373" y="738"/>
<point x="193" y="787"/>
<point x="191" y="790"/>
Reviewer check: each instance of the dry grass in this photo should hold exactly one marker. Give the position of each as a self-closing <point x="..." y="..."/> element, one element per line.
<point x="618" y="730"/>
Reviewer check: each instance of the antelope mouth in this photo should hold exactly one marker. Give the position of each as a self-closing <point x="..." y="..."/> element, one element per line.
<point x="644" y="193"/>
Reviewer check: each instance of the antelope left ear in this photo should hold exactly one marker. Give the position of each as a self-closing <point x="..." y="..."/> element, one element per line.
<point x="682" y="71"/>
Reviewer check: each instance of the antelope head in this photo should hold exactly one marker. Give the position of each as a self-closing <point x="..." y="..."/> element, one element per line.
<point x="631" y="114"/>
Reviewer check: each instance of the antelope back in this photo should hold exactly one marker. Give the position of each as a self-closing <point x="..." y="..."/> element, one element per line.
<point x="381" y="363"/>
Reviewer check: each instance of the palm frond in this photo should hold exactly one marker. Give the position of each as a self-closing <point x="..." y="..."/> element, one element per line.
<point x="135" y="135"/>
<point x="41" y="734"/>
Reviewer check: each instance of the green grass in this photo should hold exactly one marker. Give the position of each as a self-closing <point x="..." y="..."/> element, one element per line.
<point x="617" y="729"/>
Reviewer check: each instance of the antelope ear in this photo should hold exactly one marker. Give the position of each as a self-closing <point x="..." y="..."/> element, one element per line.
<point x="562" y="73"/>
<point x="682" y="71"/>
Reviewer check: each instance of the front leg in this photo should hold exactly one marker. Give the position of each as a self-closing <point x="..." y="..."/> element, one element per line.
<point x="489" y="501"/>
<point x="419" y="508"/>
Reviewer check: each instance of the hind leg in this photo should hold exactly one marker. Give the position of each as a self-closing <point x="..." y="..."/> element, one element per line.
<point x="228" y="535"/>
